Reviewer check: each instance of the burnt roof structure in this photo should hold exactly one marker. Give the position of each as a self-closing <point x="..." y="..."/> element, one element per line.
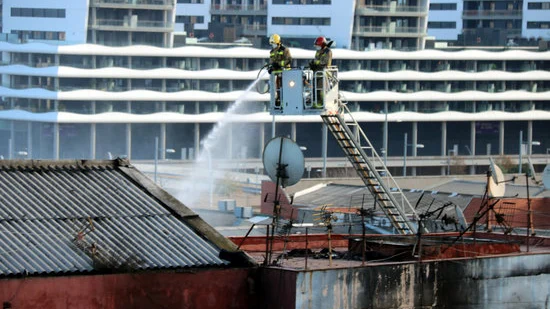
<point x="96" y="216"/>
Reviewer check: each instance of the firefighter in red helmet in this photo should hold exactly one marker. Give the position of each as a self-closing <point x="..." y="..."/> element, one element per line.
<point x="323" y="56"/>
<point x="323" y="60"/>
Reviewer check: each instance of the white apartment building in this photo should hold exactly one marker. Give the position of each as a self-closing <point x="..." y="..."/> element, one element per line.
<point x="514" y="20"/>
<point x="123" y="84"/>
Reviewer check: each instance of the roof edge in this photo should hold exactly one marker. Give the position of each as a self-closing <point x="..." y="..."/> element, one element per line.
<point x="63" y="163"/>
<point x="184" y="212"/>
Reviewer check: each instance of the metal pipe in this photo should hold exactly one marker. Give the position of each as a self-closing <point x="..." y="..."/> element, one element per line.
<point x="156" y="156"/>
<point x="405" y="156"/>
<point x="520" y="150"/>
<point x="325" y="145"/>
<point x="385" y="137"/>
<point x="528" y="211"/>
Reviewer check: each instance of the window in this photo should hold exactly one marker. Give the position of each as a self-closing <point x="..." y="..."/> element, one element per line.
<point x="307" y="21"/>
<point x="190" y="1"/>
<point x="538" y="24"/>
<point x="302" y="2"/>
<point x="39" y="35"/>
<point x="442" y="6"/>
<point x="538" y="6"/>
<point x="442" y="25"/>
<point x="182" y="19"/>
<point x="37" y="12"/>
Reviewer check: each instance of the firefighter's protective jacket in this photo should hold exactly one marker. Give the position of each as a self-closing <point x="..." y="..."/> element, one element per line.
<point x="280" y="58"/>
<point x="323" y="59"/>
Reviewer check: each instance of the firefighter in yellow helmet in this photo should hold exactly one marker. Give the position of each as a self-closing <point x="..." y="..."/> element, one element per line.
<point x="279" y="56"/>
<point x="279" y="60"/>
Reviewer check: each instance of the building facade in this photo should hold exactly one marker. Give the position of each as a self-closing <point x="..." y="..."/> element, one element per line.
<point x="98" y="100"/>
<point x="493" y="23"/>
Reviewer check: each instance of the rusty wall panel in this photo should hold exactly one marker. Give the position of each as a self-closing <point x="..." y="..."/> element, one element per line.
<point x="278" y="289"/>
<point x="230" y="288"/>
<point x="499" y="282"/>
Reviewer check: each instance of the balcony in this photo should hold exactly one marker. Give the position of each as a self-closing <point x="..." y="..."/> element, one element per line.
<point x="389" y="31"/>
<point x="238" y="9"/>
<point x="391" y="10"/>
<point x="510" y="32"/>
<point x="131" y="24"/>
<point x="134" y="4"/>
<point x="492" y="14"/>
<point x="254" y="30"/>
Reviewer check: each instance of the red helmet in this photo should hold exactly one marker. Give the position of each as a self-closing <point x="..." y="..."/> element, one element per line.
<point x="320" y="41"/>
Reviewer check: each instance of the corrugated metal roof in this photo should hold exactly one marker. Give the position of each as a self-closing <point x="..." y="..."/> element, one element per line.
<point x="353" y="196"/>
<point x="62" y="217"/>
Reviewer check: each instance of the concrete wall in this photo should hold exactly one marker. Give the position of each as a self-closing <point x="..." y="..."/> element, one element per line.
<point x="498" y="282"/>
<point x="229" y="288"/>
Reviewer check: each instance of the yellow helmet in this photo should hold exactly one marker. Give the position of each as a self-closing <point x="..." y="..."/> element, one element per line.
<point x="275" y="39"/>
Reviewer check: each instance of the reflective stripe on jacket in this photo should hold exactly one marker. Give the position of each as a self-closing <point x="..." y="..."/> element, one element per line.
<point x="323" y="58"/>
<point x="280" y="57"/>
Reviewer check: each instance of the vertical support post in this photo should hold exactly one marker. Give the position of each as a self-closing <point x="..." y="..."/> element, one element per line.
<point x="444" y="145"/>
<point x="10" y="149"/>
<point x="56" y="141"/>
<point x="405" y="156"/>
<point x="472" y="145"/>
<point x="129" y="141"/>
<point x="29" y="140"/>
<point x="520" y="150"/>
<point x="162" y="141"/>
<point x="414" y="142"/>
<point x="156" y="156"/>
<point x="307" y="246"/>
<point x="262" y="139"/>
<point x="501" y="138"/>
<point x="385" y="137"/>
<point x="273" y="127"/>
<point x="11" y="155"/>
<point x="324" y="150"/>
<point x="196" y="142"/>
<point x="92" y="140"/>
<point x="529" y="137"/>
<point x="528" y="211"/>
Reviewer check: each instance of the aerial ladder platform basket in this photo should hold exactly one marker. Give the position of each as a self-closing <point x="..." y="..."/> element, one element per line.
<point x="307" y="92"/>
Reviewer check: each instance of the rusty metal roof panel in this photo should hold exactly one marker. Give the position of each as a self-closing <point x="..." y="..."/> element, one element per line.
<point x="67" y="218"/>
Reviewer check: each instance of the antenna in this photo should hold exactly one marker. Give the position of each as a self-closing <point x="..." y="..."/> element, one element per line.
<point x="497" y="185"/>
<point x="284" y="164"/>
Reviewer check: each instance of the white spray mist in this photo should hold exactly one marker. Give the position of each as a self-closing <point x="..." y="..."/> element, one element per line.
<point x="198" y="189"/>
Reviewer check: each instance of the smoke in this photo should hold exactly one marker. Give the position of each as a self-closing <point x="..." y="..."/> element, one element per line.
<point x="201" y="183"/>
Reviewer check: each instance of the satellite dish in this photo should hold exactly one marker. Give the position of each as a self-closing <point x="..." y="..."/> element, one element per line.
<point x="283" y="161"/>
<point x="461" y="218"/>
<point x="546" y="177"/>
<point x="497" y="178"/>
<point x="496" y="181"/>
